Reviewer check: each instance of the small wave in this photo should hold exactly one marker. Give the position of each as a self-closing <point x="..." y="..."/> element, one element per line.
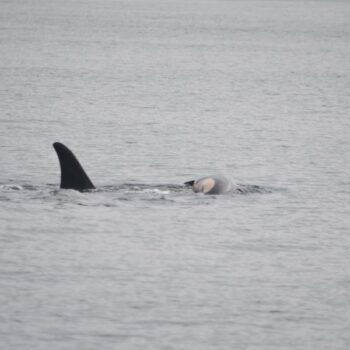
<point x="68" y="193"/>
<point x="141" y="188"/>
<point x="11" y="187"/>
<point x="155" y="190"/>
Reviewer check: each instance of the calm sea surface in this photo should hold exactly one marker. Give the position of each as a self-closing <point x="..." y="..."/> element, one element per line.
<point x="149" y="94"/>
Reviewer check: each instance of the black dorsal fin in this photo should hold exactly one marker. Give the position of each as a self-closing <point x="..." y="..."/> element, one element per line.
<point x="189" y="183"/>
<point x="73" y="175"/>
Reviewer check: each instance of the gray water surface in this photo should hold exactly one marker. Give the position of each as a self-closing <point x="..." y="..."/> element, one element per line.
<point x="148" y="95"/>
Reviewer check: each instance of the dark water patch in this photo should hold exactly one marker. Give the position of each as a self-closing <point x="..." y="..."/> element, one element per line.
<point x="4" y="199"/>
<point x="254" y="189"/>
<point x="251" y="189"/>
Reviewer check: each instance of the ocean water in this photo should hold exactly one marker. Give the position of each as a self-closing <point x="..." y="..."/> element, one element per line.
<point x="149" y="94"/>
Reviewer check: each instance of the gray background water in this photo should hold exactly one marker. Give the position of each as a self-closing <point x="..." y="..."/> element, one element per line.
<point x="150" y="94"/>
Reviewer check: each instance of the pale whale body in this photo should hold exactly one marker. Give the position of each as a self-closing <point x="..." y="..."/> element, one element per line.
<point x="211" y="185"/>
<point x="73" y="176"/>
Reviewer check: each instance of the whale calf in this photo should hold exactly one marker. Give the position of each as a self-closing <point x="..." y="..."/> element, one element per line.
<point x="211" y="185"/>
<point x="74" y="177"/>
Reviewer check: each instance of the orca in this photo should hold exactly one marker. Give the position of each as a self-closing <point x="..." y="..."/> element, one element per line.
<point x="73" y="175"/>
<point x="211" y="185"/>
